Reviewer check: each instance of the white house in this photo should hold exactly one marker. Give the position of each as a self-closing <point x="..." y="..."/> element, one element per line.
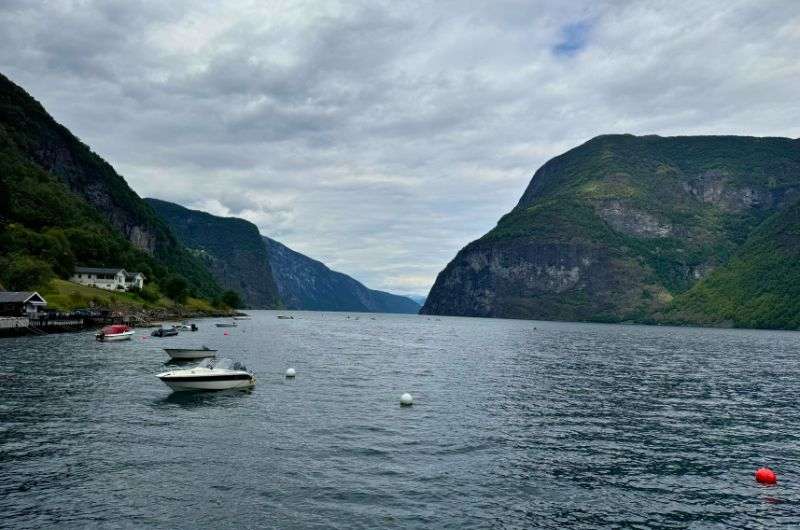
<point x="134" y="280"/>
<point x="112" y="279"/>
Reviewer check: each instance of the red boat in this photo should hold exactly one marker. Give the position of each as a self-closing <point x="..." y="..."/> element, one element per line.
<point x="114" y="332"/>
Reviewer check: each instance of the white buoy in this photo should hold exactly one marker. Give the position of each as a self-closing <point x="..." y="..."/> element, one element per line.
<point x="406" y="400"/>
<point x="290" y="372"/>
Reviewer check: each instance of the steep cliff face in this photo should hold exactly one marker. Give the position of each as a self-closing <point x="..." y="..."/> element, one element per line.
<point x="231" y="248"/>
<point x="305" y="283"/>
<point x="53" y="148"/>
<point x="37" y="149"/>
<point x="614" y="229"/>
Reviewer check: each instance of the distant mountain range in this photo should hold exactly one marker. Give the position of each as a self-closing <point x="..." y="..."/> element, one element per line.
<point x="418" y="298"/>
<point x="680" y="230"/>
<point x="305" y="283"/>
<point x="266" y="273"/>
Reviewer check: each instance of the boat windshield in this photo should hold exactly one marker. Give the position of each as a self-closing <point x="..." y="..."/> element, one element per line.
<point x="223" y="364"/>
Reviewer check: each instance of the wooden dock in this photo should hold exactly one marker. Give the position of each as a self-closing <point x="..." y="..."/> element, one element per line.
<point x="43" y="325"/>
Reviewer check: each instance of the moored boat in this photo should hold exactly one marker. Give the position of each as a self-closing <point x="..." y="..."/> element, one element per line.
<point x="212" y="374"/>
<point x="226" y="324"/>
<point x="164" y="331"/>
<point x="185" y="326"/>
<point x="243" y="317"/>
<point x="190" y="353"/>
<point x="114" y="333"/>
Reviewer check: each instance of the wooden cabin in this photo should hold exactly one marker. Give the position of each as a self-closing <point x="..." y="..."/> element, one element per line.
<point x="21" y="303"/>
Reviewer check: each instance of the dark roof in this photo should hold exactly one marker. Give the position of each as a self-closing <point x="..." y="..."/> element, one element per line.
<point x="98" y="270"/>
<point x="18" y="296"/>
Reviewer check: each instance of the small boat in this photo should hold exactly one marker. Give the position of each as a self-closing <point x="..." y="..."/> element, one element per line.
<point x="185" y="326"/>
<point x="243" y="317"/>
<point x="285" y="317"/>
<point x="211" y="374"/>
<point x="190" y="353"/>
<point x="165" y="331"/>
<point x="226" y="324"/>
<point x="115" y="332"/>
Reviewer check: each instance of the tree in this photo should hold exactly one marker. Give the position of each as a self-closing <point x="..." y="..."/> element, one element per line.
<point x="232" y="299"/>
<point x="176" y="287"/>
<point x="148" y="294"/>
<point x="21" y="272"/>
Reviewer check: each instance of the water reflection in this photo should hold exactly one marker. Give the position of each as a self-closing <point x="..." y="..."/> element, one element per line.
<point x="188" y="399"/>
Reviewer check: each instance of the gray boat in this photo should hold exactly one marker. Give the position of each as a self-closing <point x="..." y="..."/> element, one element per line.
<point x="190" y="353"/>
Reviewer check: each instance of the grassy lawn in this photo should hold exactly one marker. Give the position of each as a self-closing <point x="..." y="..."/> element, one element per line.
<point x="67" y="296"/>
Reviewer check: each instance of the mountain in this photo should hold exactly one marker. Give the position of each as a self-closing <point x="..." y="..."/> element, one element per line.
<point x="646" y="229"/>
<point x="305" y="283"/>
<point x="231" y="248"/>
<point x="63" y="205"/>
<point x="418" y="298"/>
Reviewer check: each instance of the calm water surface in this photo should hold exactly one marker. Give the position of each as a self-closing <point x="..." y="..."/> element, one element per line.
<point x="515" y="425"/>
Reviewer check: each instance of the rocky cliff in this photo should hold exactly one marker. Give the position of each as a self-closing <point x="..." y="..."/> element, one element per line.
<point x="231" y="248"/>
<point x="617" y="228"/>
<point x="305" y="283"/>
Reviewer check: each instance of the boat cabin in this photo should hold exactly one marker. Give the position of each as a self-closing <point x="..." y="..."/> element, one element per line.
<point x="21" y="303"/>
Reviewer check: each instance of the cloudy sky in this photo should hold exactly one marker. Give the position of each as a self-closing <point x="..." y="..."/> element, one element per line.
<point x="381" y="137"/>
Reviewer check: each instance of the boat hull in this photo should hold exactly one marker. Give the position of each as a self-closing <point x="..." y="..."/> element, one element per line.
<point x="225" y="325"/>
<point x="163" y="334"/>
<point x="208" y="383"/>
<point x="190" y="354"/>
<point x="128" y="335"/>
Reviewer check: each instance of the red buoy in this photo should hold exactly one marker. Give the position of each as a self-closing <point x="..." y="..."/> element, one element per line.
<point x="226" y="333"/>
<point x="765" y="475"/>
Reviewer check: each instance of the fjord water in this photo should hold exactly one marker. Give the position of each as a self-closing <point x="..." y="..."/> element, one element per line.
<point x="515" y="425"/>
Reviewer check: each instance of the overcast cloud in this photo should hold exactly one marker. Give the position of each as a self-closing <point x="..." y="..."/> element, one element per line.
<point x="381" y="137"/>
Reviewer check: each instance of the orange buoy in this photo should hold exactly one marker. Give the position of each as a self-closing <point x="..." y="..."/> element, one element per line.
<point x="765" y="475"/>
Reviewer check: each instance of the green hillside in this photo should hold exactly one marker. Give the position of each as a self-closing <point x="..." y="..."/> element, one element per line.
<point x="63" y="205"/>
<point x="758" y="288"/>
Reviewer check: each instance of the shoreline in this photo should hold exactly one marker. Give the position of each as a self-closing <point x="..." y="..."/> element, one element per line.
<point x="74" y="323"/>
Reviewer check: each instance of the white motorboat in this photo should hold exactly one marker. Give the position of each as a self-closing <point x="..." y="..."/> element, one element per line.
<point x="185" y="326"/>
<point x="226" y="324"/>
<point x="211" y="374"/>
<point x="243" y="317"/>
<point x="190" y="353"/>
<point x="114" y="333"/>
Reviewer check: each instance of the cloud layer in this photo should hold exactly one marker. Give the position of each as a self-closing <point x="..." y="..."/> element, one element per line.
<point x="380" y="137"/>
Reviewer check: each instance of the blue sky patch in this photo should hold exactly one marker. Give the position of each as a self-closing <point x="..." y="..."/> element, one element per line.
<point x="573" y="39"/>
